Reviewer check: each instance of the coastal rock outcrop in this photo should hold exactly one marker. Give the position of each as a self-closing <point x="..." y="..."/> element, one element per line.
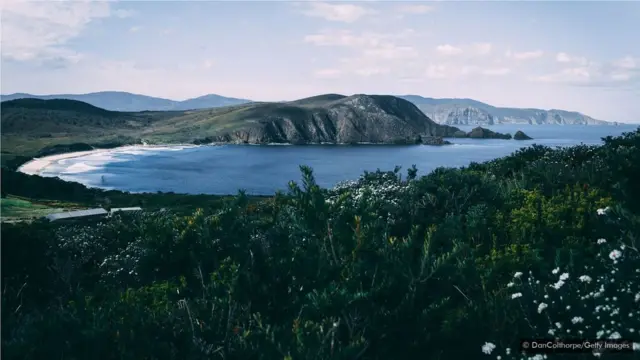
<point x="519" y="135"/>
<point x="481" y="133"/>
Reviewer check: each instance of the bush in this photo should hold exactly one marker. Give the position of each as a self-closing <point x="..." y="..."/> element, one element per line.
<point x="377" y="268"/>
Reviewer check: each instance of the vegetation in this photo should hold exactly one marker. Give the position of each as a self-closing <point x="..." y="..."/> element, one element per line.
<point x="386" y="267"/>
<point x="51" y="192"/>
<point x="13" y="208"/>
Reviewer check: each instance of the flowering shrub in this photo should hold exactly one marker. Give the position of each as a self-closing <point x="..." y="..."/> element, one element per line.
<point x="542" y="243"/>
<point x="601" y="301"/>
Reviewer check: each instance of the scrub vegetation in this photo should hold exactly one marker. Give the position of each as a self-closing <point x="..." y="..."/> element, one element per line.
<point x="456" y="264"/>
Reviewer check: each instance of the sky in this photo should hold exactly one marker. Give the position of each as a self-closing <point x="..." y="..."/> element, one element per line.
<point x="581" y="56"/>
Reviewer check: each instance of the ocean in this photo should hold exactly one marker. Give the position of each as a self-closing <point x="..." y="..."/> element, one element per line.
<point x="264" y="169"/>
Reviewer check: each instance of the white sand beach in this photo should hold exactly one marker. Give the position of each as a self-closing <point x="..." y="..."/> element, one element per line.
<point x="37" y="165"/>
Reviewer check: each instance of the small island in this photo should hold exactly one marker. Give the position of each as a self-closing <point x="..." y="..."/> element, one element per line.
<point x="519" y="135"/>
<point x="482" y="133"/>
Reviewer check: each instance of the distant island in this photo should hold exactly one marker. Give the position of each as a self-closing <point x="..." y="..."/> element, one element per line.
<point x="442" y="111"/>
<point x="43" y="127"/>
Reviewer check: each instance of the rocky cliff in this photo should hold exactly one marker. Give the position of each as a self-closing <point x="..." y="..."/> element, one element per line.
<point x="472" y="112"/>
<point x="377" y="119"/>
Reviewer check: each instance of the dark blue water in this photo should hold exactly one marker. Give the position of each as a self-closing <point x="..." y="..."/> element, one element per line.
<point x="265" y="169"/>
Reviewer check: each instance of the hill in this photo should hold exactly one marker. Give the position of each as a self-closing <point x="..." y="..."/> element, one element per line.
<point x="124" y="101"/>
<point x="30" y="125"/>
<point x="321" y="119"/>
<point x="472" y="112"/>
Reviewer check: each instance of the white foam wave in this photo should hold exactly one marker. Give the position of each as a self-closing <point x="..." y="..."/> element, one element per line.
<point x="79" y="168"/>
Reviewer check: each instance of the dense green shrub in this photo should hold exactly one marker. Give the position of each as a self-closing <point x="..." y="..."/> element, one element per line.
<point x="378" y="268"/>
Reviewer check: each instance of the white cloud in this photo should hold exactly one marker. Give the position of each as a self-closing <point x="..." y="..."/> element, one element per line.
<point x="566" y="58"/>
<point x="39" y="31"/>
<point x="621" y="76"/>
<point x="343" y="38"/>
<point x="347" y="13"/>
<point x="370" y="71"/>
<point x="123" y="13"/>
<point x="483" y="48"/>
<point x="453" y="71"/>
<point x="415" y="9"/>
<point x="135" y="29"/>
<point x="575" y="75"/>
<point x="563" y="57"/>
<point x="392" y="52"/>
<point x="370" y="50"/>
<point x="627" y="62"/>
<point x="327" y="73"/>
<point x="448" y="50"/>
<point x="208" y="64"/>
<point x="496" y="71"/>
<point x="527" y="55"/>
<point x="589" y="73"/>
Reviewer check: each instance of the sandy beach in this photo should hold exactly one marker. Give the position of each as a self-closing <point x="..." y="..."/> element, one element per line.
<point x="37" y="165"/>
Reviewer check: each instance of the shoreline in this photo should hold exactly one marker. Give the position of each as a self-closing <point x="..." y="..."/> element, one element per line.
<point x="36" y="165"/>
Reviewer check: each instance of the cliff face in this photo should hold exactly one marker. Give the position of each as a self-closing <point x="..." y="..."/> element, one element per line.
<point x="469" y="115"/>
<point x="338" y="119"/>
<point x="472" y="112"/>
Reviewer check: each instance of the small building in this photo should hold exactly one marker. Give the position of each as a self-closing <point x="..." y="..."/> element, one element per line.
<point x="78" y="214"/>
<point x="127" y="209"/>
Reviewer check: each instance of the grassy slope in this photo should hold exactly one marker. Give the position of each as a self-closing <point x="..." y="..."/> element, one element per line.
<point x="18" y="208"/>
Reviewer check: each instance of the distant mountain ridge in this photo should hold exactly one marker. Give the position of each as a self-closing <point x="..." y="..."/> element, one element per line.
<point x="124" y="101"/>
<point x="473" y="112"/>
<point x="442" y="111"/>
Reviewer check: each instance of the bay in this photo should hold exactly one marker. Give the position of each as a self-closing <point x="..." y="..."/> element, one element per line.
<point x="264" y="169"/>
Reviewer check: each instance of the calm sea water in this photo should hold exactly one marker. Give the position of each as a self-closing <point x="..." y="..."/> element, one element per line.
<point x="264" y="169"/>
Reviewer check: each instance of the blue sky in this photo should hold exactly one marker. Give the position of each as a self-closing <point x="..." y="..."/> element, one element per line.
<point x="582" y="56"/>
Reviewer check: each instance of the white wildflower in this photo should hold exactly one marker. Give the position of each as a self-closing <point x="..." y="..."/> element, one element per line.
<point x="555" y="271"/>
<point x="510" y="284"/>
<point x="517" y="274"/>
<point x="541" y="307"/>
<point x="487" y="348"/>
<point x="516" y="295"/>
<point x="564" y="276"/>
<point x="601" y="241"/>
<point x="615" y="336"/>
<point x="558" y="285"/>
<point x="577" y="320"/>
<point x="615" y="255"/>
<point x="585" y="278"/>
